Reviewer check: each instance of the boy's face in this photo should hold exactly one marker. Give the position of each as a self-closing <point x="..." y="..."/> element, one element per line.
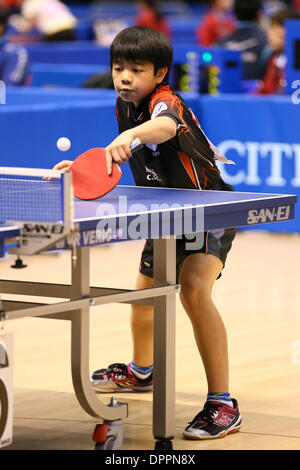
<point x="134" y="81"/>
<point x="276" y="37"/>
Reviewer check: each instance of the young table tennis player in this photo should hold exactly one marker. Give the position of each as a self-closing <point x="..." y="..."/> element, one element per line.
<point x="176" y="154"/>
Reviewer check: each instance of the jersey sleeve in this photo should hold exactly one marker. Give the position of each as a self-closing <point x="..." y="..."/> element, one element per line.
<point x="166" y="103"/>
<point x="190" y="138"/>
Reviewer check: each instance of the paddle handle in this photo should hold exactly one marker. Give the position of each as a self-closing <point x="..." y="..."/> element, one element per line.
<point x="136" y="145"/>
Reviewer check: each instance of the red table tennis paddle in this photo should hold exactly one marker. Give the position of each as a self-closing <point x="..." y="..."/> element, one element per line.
<point x="89" y="173"/>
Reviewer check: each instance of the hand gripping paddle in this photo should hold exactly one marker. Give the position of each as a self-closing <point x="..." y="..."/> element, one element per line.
<point x="89" y="173"/>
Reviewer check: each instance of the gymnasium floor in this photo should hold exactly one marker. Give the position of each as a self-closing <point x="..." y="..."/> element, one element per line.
<point x="259" y="299"/>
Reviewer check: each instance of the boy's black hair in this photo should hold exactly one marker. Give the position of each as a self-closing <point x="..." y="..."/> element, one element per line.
<point x="247" y="10"/>
<point x="142" y="44"/>
<point x="281" y="16"/>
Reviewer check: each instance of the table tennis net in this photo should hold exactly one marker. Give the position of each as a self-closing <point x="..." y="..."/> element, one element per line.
<point x="26" y="196"/>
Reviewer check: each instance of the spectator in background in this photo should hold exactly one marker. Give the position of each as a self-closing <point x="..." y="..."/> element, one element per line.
<point x="149" y="15"/>
<point x="249" y="38"/>
<point x="215" y="24"/>
<point x="13" y="59"/>
<point x="52" y="18"/>
<point x="274" y="79"/>
<point x="11" y="6"/>
<point x="273" y="6"/>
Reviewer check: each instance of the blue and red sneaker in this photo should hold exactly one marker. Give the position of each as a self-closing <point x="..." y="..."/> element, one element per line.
<point x="119" y="377"/>
<point x="216" y="420"/>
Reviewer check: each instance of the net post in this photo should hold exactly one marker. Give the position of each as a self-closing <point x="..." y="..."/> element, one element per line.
<point x="68" y="210"/>
<point x="68" y="204"/>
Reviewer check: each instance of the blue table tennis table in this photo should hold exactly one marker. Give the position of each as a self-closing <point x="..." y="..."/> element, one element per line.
<point x="129" y="213"/>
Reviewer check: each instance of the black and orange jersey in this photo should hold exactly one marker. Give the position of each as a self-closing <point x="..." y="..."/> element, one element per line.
<point x="186" y="161"/>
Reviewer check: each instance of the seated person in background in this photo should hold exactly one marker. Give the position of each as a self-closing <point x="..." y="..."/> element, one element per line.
<point x="218" y="22"/>
<point x="51" y="17"/>
<point x="13" y="59"/>
<point x="296" y="4"/>
<point x="271" y="7"/>
<point x="250" y="39"/>
<point x="274" y="79"/>
<point x="149" y="15"/>
<point x="11" y="6"/>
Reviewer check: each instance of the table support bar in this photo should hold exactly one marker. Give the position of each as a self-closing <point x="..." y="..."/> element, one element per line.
<point x="60" y="307"/>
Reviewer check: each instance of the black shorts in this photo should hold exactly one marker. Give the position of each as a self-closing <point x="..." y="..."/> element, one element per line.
<point x="215" y="242"/>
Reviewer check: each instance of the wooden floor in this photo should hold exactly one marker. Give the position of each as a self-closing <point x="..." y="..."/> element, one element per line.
<point x="259" y="298"/>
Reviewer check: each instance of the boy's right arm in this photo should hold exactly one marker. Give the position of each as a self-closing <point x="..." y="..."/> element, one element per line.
<point x="154" y="131"/>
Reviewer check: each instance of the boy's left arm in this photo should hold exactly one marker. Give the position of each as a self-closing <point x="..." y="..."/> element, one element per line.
<point x="155" y="131"/>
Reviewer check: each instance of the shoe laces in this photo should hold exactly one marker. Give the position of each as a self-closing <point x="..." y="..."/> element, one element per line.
<point x="209" y="412"/>
<point x="117" y="369"/>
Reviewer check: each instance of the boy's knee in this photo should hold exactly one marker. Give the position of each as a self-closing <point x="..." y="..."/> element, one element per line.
<point x="194" y="289"/>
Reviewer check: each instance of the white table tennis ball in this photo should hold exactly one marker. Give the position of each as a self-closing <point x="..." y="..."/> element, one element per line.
<point x="63" y="144"/>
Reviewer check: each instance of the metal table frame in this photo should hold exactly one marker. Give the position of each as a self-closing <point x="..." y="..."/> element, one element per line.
<point x="162" y="296"/>
<point x="248" y="211"/>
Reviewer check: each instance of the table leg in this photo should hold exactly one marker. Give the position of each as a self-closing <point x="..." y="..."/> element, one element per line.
<point x="80" y="347"/>
<point x="164" y="344"/>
